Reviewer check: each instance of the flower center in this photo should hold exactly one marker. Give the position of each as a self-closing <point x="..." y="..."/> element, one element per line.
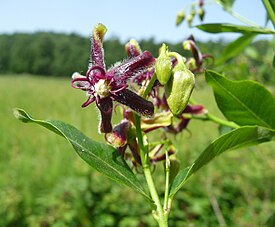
<point x="102" y="88"/>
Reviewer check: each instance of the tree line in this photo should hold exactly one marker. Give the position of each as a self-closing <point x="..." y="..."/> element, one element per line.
<point x="57" y="54"/>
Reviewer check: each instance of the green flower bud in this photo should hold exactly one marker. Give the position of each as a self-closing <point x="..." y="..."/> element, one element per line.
<point x="179" y="88"/>
<point x="191" y="64"/>
<point x="163" y="65"/>
<point x="187" y="45"/>
<point x="201" y="13"/>
<point x="191" y="16"/>
<point x="180" y="17"/>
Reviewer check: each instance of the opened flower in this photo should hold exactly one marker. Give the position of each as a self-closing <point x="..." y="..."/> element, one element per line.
<point x="105" y="86"/>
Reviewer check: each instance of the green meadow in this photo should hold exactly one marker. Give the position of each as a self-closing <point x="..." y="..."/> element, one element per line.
<point x="44" y="183"/>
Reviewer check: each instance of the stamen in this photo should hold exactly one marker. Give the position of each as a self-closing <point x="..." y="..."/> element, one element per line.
<point x="102" y="88"/>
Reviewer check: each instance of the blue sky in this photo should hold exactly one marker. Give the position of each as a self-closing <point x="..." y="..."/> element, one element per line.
<point x="124" y="18"/>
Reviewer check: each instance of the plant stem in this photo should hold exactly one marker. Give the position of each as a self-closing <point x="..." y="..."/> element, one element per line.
<point x="270" y="11"/>
<point x="167" y="179"/>
<point x="238" y="16"/>
<point x="211" y="117"/>
<point x="159" y="215"/>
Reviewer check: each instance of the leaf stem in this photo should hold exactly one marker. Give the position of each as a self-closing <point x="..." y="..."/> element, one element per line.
<point x="211" y="117"/>
<point x="238" y="16"/>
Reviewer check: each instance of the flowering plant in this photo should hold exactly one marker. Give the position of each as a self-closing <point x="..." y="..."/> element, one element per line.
<point x="155" y="95"/>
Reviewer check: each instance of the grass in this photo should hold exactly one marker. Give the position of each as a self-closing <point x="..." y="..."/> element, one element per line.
<point x="38" y="170"/>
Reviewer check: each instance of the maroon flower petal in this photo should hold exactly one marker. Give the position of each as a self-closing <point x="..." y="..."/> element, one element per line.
<point x="97" y="53"/>
<point x="81" y="83"/>
<point x="135" y="102"/>
<point x="105" y="105"/>
<point x="194" y="109"/>
<point x="133" y="66"/>
<point x="89" y="101"/>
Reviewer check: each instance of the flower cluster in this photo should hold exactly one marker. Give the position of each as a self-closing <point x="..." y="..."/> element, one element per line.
<point x="104" y="86"/>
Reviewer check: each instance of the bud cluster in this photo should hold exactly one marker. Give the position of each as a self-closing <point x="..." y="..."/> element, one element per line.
<point x="170" y="95"/>
<point x="195" y="9"/>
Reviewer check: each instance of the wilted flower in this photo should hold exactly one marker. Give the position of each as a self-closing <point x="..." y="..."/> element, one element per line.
<point x="196" y="63"/>
<point x="105" y="86"/>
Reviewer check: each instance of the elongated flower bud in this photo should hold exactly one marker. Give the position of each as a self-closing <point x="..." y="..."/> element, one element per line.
<point x="132" y="48"/>
<point x="163" y="65"/>
<point x="179" y="89"/>
<point x="180" y="17"/>
<point x="191" y="16"/>
<point x="201" y="13"/>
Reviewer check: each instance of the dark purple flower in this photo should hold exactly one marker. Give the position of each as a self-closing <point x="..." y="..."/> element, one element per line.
<point x="105" y="86"/>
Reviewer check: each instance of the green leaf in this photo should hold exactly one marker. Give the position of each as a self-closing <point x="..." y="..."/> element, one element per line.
<point x="270" y="8"/>
<point x="102" y="157"/>
<point x="240" y="137"/>
<point x="224" y="27"/>
<point x="244" y="102"/>
<point x="235" y="47"/>
<point x="226" y="4"/>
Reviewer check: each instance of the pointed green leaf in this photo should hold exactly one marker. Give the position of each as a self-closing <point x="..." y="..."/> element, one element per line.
<point x="244" y="102"/>
<point x="224" y="27"/>
<point x="102" y="157"/>
<point x="235" y="47"/>
<point x="240" y="137"/>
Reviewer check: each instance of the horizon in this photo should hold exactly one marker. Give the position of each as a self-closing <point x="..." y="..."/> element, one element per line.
<point x="69" y="17"/>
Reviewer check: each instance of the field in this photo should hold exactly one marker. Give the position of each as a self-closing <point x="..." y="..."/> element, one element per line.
<point x="44" y="183"/>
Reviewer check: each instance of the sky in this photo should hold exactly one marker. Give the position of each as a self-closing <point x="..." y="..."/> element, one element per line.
<point x="125" y="19"/>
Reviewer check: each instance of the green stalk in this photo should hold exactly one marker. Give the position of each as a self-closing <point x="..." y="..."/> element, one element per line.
<point x="159" y="215"/>
<point x="211" y="117"/>
<point x="167" y="181"/>
<point x="238" y="16"/>
<point x="221" y="121"/>
<point x="270" y="10"/>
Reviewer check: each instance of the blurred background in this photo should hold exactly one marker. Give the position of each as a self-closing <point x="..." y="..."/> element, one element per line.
<point x="44" y="183"/>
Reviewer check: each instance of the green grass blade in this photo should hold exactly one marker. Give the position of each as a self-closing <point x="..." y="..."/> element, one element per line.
<point x="102" y="157"/>
<point x="241" y="137"/>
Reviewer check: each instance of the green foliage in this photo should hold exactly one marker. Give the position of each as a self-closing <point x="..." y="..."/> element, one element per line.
<point x="104" y="158"/>
<point x="235" y="47"/>
<point x="244" y="102"/>
<point x="270" y="9"/>
<point x="241" y="137"/>
<point x="71" y="194"/>
<point x="224" y="27"/>
<point x="60" y="55"/>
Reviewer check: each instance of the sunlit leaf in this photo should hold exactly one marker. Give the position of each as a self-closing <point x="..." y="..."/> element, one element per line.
<point x="240" y="137"/>
<point x="102" y="157"/>
<point x="244" y="102"/>
<point x="235" y="47"/>
<point x="224" y="27"/>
